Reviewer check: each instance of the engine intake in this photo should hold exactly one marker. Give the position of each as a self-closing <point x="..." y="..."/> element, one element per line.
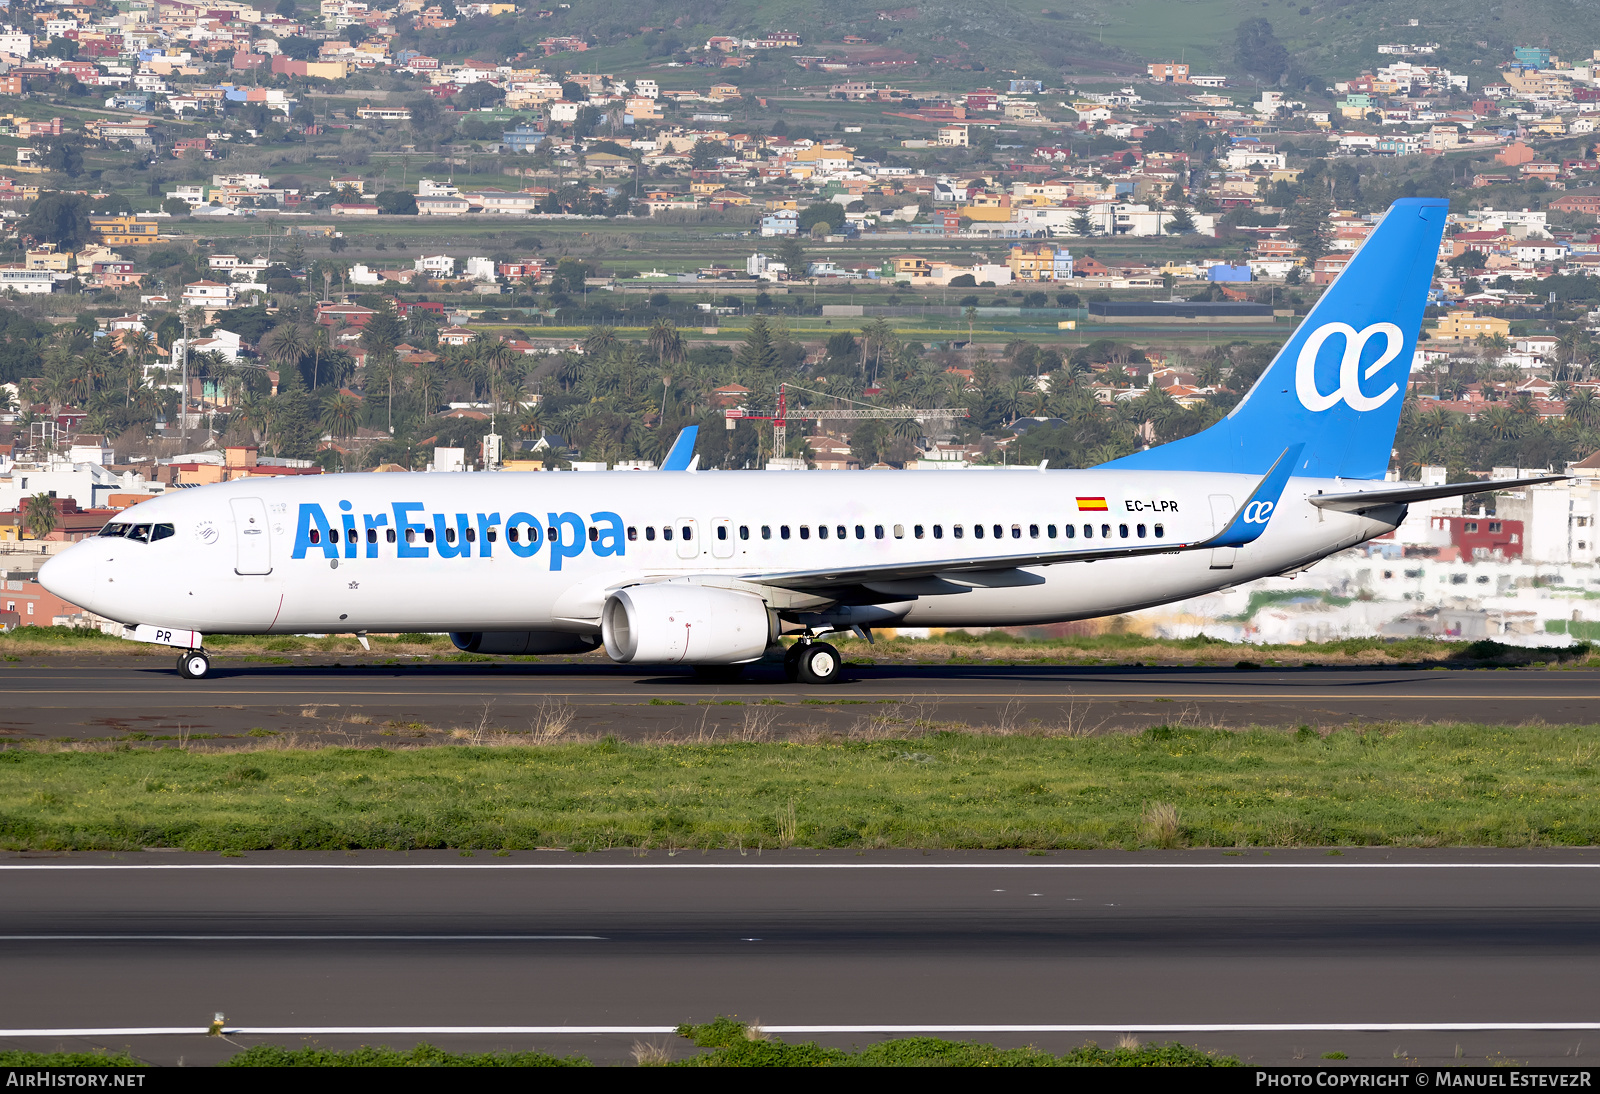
<point x="513" y="642"/>
<point x="679" y="623"/>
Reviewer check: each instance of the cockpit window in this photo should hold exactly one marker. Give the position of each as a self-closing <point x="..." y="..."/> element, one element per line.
<point x="140" y="532"/>
<point x="116" y="530"/>
<point x="160" y="531"/>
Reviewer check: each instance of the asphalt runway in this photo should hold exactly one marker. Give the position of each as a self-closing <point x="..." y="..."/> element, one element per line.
<point x="1473" y="941"/>
<point x="369" y="702"/>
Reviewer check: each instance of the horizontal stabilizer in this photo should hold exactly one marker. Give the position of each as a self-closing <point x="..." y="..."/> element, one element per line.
<point x="1360" y="501"/>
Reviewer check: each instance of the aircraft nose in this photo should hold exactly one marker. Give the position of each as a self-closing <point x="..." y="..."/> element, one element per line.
<point x="71" y="575"/>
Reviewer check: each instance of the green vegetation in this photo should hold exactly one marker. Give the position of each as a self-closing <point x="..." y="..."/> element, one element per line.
<point x="423" y="1055"/>
<point x="17" y="1058"/>
<point x="888" y="782"/>
<point x="734" y="1044"/>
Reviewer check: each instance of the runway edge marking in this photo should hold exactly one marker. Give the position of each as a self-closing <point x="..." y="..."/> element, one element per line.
<point x="513" y="866"/>
<point x="948" y="1027"/>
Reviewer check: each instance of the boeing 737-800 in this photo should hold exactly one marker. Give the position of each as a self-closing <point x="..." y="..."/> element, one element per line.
<point x="711" y="568"/>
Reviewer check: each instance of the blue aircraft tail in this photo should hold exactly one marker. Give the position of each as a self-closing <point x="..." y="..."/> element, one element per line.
<point x="677" y="459"/>
<point x="1336" y="386"/>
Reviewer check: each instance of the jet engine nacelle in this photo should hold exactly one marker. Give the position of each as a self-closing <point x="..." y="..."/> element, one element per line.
<point x="679" y="623"/>
<point x="511" y="642"/>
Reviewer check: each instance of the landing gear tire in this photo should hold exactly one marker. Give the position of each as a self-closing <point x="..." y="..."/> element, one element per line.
<point x="791" y="662"/>
<point x="194" y="664"/>
<point x="818" y="663"/>
<point x="718" y="674"/>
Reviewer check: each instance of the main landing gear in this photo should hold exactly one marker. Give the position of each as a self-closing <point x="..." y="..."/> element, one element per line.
<point x="194" y="664"/>
<point x="811" y="662"/>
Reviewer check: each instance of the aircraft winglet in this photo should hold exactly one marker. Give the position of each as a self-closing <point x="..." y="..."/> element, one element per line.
<point x="678" y="458"/>
<point x="1251" y="519"/>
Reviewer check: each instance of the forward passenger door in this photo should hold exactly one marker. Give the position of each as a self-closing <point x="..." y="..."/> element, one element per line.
<point x="250" y="531"/>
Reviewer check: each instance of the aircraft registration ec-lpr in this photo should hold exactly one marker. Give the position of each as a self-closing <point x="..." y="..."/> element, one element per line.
<point x="710" y="569"/>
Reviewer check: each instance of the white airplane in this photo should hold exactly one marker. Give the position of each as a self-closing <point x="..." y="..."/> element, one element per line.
<point x="709" y="569"/>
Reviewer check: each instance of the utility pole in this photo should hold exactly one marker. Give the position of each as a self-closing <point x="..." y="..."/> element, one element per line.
<point x="183" y="398"/>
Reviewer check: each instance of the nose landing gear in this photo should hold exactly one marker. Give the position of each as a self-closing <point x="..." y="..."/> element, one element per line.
<point x="194" y="664"/>
<point x="811" y="662"/>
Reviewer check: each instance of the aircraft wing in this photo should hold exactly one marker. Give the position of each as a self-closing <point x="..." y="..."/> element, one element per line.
<point x="1359" y="501"/>
<point x="1247" y="525"/>
<point x="677" y="459"/>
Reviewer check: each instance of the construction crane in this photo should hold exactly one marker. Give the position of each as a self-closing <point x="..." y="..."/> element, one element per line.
<point x="780" y="421"/>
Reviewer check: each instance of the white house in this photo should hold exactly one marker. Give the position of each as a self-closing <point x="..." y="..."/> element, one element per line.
<point x="223" y="342"/>
<point x="20" y="280"/>
<point x="208" y="294"/>
<point x="445" y="206"/>
<point x="436" y="265"/>
<point x="480" y="269"/>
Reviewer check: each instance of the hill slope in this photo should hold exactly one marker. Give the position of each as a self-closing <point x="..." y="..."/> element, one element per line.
<point x="1331" y="38"/>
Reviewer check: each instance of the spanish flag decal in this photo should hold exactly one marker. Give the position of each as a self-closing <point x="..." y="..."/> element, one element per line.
<point x="1091" y="505"/>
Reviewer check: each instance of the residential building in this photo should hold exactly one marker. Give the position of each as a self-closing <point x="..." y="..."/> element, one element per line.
<point x="19" y="279"/>
<point x="1168" y="72"/>
<point x="448" y="206"/>
<point x="209" y="295"/>
<point x="126" y="231"/>
<point x="1041" y="263"/>
<point x="1466" y="326"/>
<point x="781" y="222"/>
<point x="436" y="265"/>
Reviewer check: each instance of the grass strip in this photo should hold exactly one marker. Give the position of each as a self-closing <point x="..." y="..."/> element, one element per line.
<point x="1039" y="787"/>
<point x="423" y="1055"/>
<point x="952" y="647"/>
<point x="733" y="1044"/>
<point x="15" y="1058"/>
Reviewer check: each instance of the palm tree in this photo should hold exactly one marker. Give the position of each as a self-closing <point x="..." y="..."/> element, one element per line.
<point x="252" y="412"/>
<point x="138" y="346"/>
<point x="1583" y="407"/>
<point x="1502" y="423"/>
<point x="665" y="340"/>
<point x="428" y="386"/>
<point x="600" y="340"/>
<point x="970" y="315"/>
<point x="495" y="358"/>
<point x="340" y="414"/>
<point x="285" y="346"/>
<point x="320" y="345"/>
<point x="1435" y="424"/>
<point x="530" y="422"/>
<point x="40" y="515"/>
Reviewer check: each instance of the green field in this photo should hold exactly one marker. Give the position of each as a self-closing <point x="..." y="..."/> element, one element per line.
<point x="728" y="1043"/>
<point x="889" y="781"/>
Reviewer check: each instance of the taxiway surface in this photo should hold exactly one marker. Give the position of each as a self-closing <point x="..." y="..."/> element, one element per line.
<point x="323" y="941"/>
<point x="86" y="697"/>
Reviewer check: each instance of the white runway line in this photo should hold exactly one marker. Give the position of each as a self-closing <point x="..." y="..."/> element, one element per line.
<point x="1128" y="1027"/>
<point x="301" y="938"/>
<point x="107" y="866"/>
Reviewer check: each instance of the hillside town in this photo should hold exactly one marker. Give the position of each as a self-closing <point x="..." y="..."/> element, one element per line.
<point x="244" y="242"/>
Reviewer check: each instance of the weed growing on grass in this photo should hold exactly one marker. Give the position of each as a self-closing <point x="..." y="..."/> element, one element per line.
<point x="1158" y="824"/>
<point x="649" y="1054"/>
